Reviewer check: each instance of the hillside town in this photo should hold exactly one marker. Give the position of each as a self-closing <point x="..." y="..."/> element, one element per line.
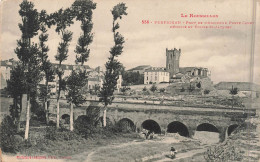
<point x="181" y="78"/>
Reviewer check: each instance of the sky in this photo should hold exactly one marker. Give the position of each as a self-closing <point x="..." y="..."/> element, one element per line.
<point x="225" y="52"/>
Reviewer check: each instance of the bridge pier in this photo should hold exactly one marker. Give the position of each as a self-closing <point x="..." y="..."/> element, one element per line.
<point x="191" y="131"/>
<point x="222" y="133"/>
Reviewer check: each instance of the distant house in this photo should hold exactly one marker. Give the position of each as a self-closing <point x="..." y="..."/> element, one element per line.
<point x="140" y="69"/>
<point x="95" y="82"/>
<point x="6" y="67"/>
<point x="245" y="88"/>
<point x="156" y="75"/>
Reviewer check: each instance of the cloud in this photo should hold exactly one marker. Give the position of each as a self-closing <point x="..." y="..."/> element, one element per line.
<point x="8" y="44"/>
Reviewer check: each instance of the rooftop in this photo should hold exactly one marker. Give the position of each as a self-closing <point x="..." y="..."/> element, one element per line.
<point x="141" y="67"/>
<point x="156" y="69"/>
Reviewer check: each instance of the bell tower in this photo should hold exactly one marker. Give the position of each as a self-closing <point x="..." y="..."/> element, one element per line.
<point x="172" y="61"/>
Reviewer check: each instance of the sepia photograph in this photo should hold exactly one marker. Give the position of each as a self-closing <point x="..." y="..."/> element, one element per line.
<point x="129" y="80"/>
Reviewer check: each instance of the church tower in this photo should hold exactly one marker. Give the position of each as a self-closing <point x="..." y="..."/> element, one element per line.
<point x="172" y="61"/>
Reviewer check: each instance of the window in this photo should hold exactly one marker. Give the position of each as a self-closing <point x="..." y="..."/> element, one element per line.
<point x="147" y="78"/>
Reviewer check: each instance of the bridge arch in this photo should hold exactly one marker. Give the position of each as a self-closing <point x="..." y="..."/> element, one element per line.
<point x="152" y="126"/>
<point x="126" y="124"/>
<point x="207" y="127"/>
<point x="178" y="127"/>
<point x="64" y="116"/>
<point x="231" y="129"/>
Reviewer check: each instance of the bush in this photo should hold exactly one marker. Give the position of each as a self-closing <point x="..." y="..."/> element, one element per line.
<point x="206" y="91"/>
<point x="7" y="132"/>
<point x="85" y="126"/>
<point x="125" y="88"/>
<point x="153" y="88"/>
<point x="162" y="90"/>
<point x="223" y="152"/>
<point x="182" y="89"/>
<point x="60" y="134"/>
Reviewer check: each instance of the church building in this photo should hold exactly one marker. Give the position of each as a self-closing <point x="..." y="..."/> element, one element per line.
<point x="178" y="73"/>
<point x="173" y="72"/>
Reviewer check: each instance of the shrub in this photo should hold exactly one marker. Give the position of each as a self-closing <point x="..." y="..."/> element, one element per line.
<point x="223" y="152"/>
<point x="153" y="88"/>
<point x="85" y="126"/>
<point x="233" y="91"/>
<point x="7" y="132"/>
<point x="162" y="90"/>
<point x="125" y="88"/>
<point x="206" y="91"/>
<point x="60" y="134"/>
<point x="182" y="89"/>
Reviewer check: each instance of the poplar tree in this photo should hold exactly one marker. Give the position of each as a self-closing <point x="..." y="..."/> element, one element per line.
<point x="82" y="10"/>
<point x="74" y="85"/>
<point x="62" y="19"/>
<point x="16" y="88"/>
<point x="113" y="66"/>
<point x="27" y="52"/>
<point x="46" y="65"/>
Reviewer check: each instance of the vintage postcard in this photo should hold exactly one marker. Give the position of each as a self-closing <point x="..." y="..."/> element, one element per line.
<point x="130" y="80"/>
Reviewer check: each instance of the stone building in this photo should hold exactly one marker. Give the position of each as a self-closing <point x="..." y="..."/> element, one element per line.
<point x="182" y="74"/>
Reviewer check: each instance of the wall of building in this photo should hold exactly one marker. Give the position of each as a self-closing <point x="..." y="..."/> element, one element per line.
<point x="156" y="77"/>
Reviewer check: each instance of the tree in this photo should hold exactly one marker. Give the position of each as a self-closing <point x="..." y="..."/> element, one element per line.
<point x="182" y="89"/>
<point x="132" y="78"/>
<point x="206" y="91"/>
<point x="198" y="85"/>
<point x="74" y="84"/>
<point x="27" y="52"/>
<point x="162" y="90"/>
<point x="113" y="66"/>
<point x="82" y="10"/>
<point x="153" y="88"/>
<point x="46" y="65"/>
<point x="16" y="88"/>
<point x="96" y="89"/>
<point x="62" y="19"/>
<point x="144" y="89"/>
<point x="233" y="91"/>
<point x="191" y="88"/>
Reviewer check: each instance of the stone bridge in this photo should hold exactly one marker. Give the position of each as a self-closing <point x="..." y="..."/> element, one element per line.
<point x="164" y="118"/>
